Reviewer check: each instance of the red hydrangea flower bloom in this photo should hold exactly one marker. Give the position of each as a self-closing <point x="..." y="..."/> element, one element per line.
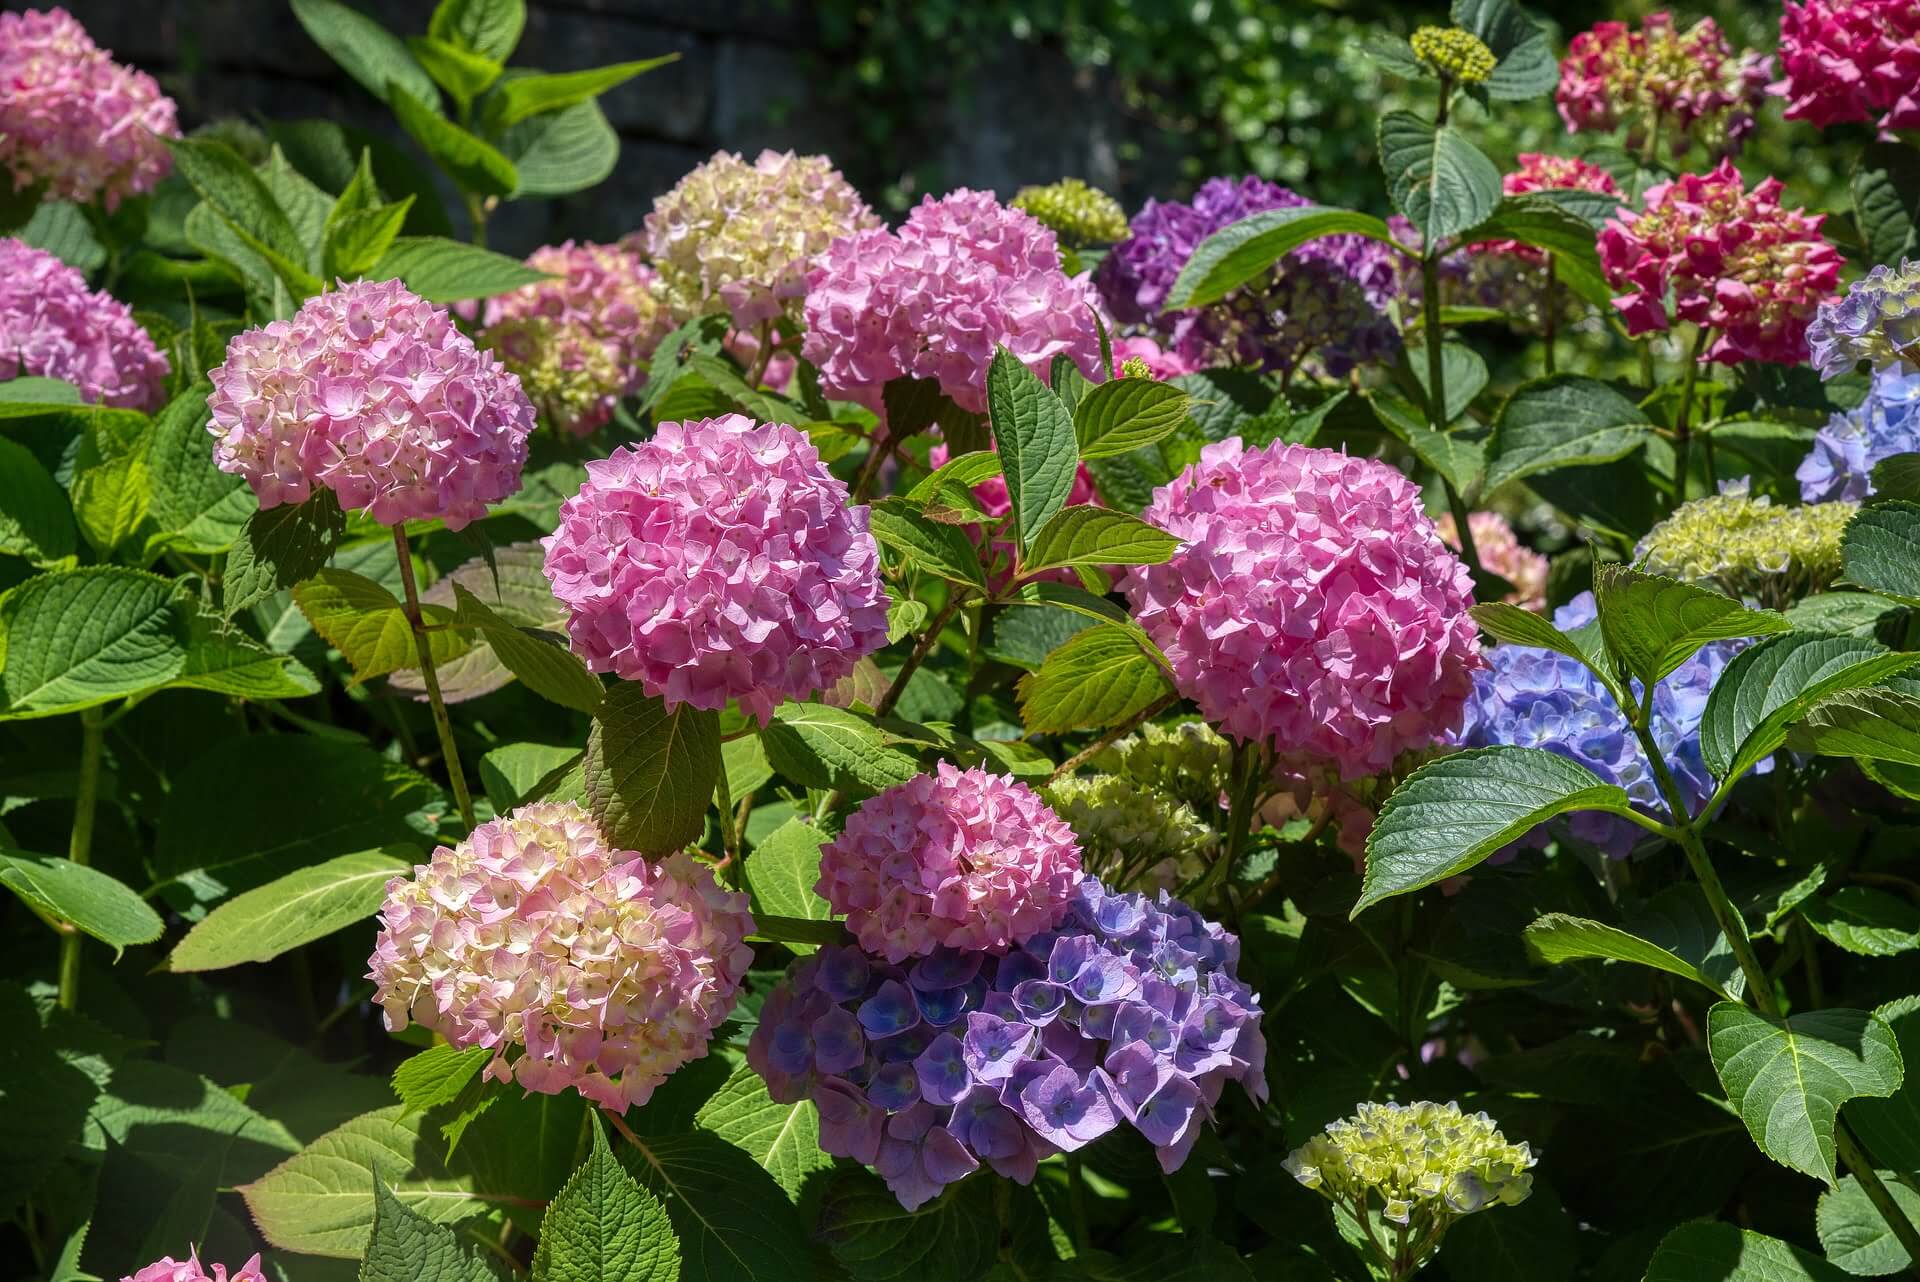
<point x="1734" y="260"/>
<point x="1541" y="172"/>
<point x="53" y="326"/>
<point x="1660" y="81"/>
<point x="1851" y="60"/>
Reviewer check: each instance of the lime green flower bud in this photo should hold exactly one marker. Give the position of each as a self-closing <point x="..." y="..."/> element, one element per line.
<point x="1189" y="762"/>
<point x="1458" y="55"/>
<point x="1135" y="367"/>
<point x="1749" y="548"/>
<point x="1128" y="832"/>
<point x="1079" y="214"/>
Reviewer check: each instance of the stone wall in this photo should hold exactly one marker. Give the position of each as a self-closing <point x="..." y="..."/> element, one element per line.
<point x="745" y="80"/>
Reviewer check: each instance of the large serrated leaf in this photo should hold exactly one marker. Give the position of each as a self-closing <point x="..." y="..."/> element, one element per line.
<point x="405" y="1246"/>
<point x="1098" y="677"/>
<point x="1886" y="200"/>
<point x="296" y="909"/>
<point x="1653" y="624"/>
<point x="546" y="667"/>
<point x="1242" y="250"/>
<point x="650" y="772"/>
<point x="279" y="547"/>
<point x="196" y="507"/>
<point x="818" y="746"/>
<point x="79" y="638"/>
<point x="734" y="1222"/>
<point x="782" y="870"/>
<point x="446" y="271"/>
<point x="603" y="1227"/>
<point x="1728" y="1253"/>
<point x="1437" y="178"/>
<point x="36" y="520"/>
<point x="1855" y="1235"/>
<point x="1877" y="725"/>
<point x="875" y="1240"/>
<point x="369" y="626"/>
<point x="1039" y="453"/>
<point x="1558" y="937"/>
<point x="783" y="1138"/>
<point x="1095" y="536"/>
<point x="1560" y="421"/>
<point x="1771" y="685"/>
<point x="512" y="583"/>
<point x="1121" y="415"/>
<point x="364" y="49"/>
<point x="937" y="548"/>
<point x="99" y="905"/>
<point x="1881" y="550"/>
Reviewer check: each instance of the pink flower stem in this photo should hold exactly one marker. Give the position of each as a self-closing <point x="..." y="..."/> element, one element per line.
<point x="424" y="648"/>
<point x="80" y="845"/>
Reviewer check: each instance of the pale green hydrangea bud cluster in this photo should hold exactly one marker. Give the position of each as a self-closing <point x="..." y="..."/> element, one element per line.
<point x="1135" y="367"/>
<point x="1189" y="762"/>
<point x="1458" y="55"/>
<point x="1142" y="820"/>
<point x="1749" y="548"/>
<point x="1429" y="1164"/>
<point x="1078" y="214"/>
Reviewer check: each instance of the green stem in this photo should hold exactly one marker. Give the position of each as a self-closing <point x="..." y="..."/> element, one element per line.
<point x="1683" y="422"/>
<point x="1646" y="363"/>
<point x="1860" y="1163"/>
<point x="920" y="652"/>
<point x="1249" y="770"/>
<point x="1112" y="736"/>
<point x="1550" y="311"/>
<point x="80" y="844"/>
<point x="449" y="752"/>
<point x="1437" y="395"/>
<point x="762" y="356"/>
<point x="477" y="214"/>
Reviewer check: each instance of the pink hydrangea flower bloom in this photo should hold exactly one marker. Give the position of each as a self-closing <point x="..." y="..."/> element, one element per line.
<point x="372" y="392"/>
<point x="53" y="326"/>
<point x="956" y="859"/>
<point x="168" y="1269"/>
<point x="581" y="342"/>
<point x="74" y="118"/>
<point x="607" y="971"/>
<point x="1311" y="604"/>
<point x="719" y="560"/>
<point x="1502" y="552"/>
<point x="1851" y="60"/>
<point x="1734" y="261"/>
<point x="963" y="275"/>
<point x="1541" y="172"/>
<point x="738" y="238"/>
<point x="1659" y="80"/>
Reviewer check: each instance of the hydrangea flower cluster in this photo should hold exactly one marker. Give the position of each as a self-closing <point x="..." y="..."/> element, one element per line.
<point x="1851" y="60"/>
<point x="1079" y="214"/>
<point x="1749" y="548"/>
<point x="963" y="275"/>
<point x="1311" y="604"/>
<point x="372" y="392"/>
<point x="955" y="859"/>
<point x="1457" y="54"/>
<point x="1428" y="1164"/>
<point x="1129" y="835"/>
<point x="1540" y="171"/>
<point x="1877" y="321"/>
<point x="581" y="342"/>
<point x="738" y="238"/>
<point x="607" y="970"/>
<point x="1502" y="552"/>
<point x="1535" y="698"/>
<point x="74" y="118"/>
<point x="168" y="1269"/>
<point x="53" y="326"/>
<point x="719" y="560"/>
<point x="1733" y="260"/>
<point x="1659" y="81"/>
<point x="1187" y="762"/>
<point x="1886" y="423"/>
<point x="1130" y="1013"/>
<point x="1325" y="299"/>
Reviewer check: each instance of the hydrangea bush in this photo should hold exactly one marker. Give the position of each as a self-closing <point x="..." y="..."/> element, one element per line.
<point x="1037" y="735"/>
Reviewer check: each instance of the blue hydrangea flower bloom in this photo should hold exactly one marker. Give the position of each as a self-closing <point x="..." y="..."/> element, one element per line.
<point x="1129" y="1014"/>
<point x="1876" y="320"/>
<point x="1840" y="465"/>
<point x="1532" y="698"/>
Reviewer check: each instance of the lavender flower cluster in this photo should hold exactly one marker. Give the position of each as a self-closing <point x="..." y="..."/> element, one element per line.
<point x="1840" y="464"/>
<point x="1130" y="1013"/>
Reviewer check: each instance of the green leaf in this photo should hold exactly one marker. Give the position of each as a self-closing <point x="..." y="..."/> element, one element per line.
<point x="368" y="625"/>
<point x="405" y="1246"/>
<point x="733" y="1221"/>
<point x="1452" y="813"/>
<point x="1436" y="177"/>
<point x="36" y="521"/>
<point x="446" y="271"/>
<point x="875" y="1239"/>
<point x="1787" y="1078"/>
<point x="511" y="582"/>
<point x="100" y="905"/>
<point x="817" y="746"/>
<point x="783" y="1138"/>
<point x="1558" y="937"/>
<point x="782" y="870"/>
<point x="1563" y="223"/>
<point x="80" y="638"/>
<point x="365" y="50"/>
<point x="1561" y="421"/>
<point x="1125" y="414"/>
<point x="1098" y="677"/>
<point x="111" y="487"/>
<point x="514" y="773"/>
<point x="1890" y="1128"/>
<point x="1064" y="597"/>
<point x="534" y="95"/>
<point x="437" y="1075"/>
<point x="1653" y="625"/>
<point x="1855" y="1235"/>
<point x="1460" y="460"/>
<point x="939" y="549"/>
<point x="650" y="772"/>
<point x="1243" y="250"/>
<point x="1769" y="686"/>
<point x="563" y="151"/>
<point x="1515" y="626"/>
<point x="225" y="660"/>
<point x="1881" y="550"/>
<point x="548" y="668"/>
<point x="475" y="164"/>
<point x="279" y="547"/>
<point x="1462" y="369"/>
<point x="30" y="397"/>
<point x="1886" y="200"/>
<point x="603" y="1227"/>
<point x="1880" y="725"/>
<point x="282" y="915"/>
<point x="195" y="506"/>
<point x="1862" y="920"/>
<point x="1038" y="450"/>
<point x="1096" y="536"/>
<point x="1526" y="66"/>
<point x="244" y="203"/>
<point x="1897" y="477"/>
<point x="357" y="242"/>
<point x="1728" y="1253"/>
<point x="490" y="28"/>
<point x="465" y="75"/>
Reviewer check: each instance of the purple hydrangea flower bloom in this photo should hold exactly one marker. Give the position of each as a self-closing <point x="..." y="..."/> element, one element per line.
<point x="1840" y="465"/>
<point x="1067" y="1111"/>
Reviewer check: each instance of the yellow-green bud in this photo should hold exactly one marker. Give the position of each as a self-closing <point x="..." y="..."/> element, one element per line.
<point x="1079" y="214"/>
<point x="1130" y="834"/>
<point x="1458" y="55"/>
<point x="1189" y="762"/>
<point x="1748" y="547"/>
<point x="1135" y="367"/>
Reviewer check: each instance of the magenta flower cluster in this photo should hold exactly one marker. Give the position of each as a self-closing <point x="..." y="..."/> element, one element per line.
<point x="605" y="970"/>
<point x="719" y="560"/>
<point x="1849" y="61"/>
<point x="1732" y="261"/>
<point x="1129" y="1014"/>
<point x="53" y="326"/>
<point x="371" y="392"/>
<point x="955" y="859"/>
<point x="1311" y="604"/>
<point x="168" y="1269"/>
<point x="964" y="275"/>
<point x="1659" y="81"/>
<point x="73" y="118"/>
